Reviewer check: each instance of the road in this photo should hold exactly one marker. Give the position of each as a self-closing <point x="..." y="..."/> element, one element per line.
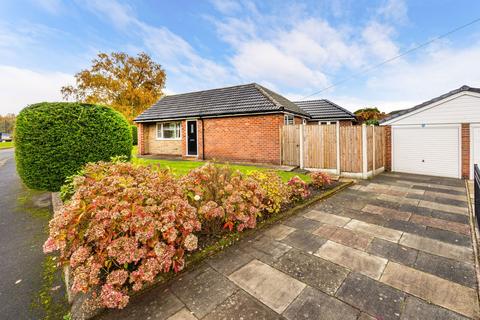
<point x="30" y="282"/>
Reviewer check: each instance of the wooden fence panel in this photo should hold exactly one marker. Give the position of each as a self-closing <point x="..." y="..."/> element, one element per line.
<point x="379" y="147"/>
<point x="369" y="148"/>
<point x="291" y="145"/>
<point x="351" y="149"/>
<point x="320" y="147"/>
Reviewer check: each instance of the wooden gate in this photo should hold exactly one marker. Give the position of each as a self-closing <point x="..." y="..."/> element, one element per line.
<point x="320" y="147"/>
<point x="290" y="145"/>
<point x="351" y="149"/>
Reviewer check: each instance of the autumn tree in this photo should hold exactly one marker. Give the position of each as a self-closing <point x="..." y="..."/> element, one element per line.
<point x="126" y="83"/>
<point x="369" y="115"/>
<point x="7" y="123"/>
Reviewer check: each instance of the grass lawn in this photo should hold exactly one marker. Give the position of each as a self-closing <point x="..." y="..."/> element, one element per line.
<point x="182" y="167"/>
<point x="6" y="145"/>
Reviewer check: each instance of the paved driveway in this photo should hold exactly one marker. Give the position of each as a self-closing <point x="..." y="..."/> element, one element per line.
<point x="397" y="247"/>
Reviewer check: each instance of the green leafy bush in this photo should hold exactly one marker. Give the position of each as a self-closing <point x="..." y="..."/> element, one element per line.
<point x="224" y="198"/>
<point x="276" y="192"/>
<point x="123" y="226"/>
<point x="320" y="179"/>
<point x="298" y="189"/>
<point x="134" y="135"/>
<point x="54" y="140"/>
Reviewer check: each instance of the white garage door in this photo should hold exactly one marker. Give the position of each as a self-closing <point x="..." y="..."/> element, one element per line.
<point x="430" y="150"/>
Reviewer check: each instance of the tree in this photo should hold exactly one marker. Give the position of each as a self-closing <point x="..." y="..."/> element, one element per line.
<point x="7" y="123"/>
<point x="127" y="84"/>
<point x="369" y="116"/>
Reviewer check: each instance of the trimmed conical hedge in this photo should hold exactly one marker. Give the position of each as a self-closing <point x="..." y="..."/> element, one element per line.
<point x="53" y="140"/>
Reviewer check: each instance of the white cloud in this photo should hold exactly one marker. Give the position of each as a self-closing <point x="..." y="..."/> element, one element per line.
<point x="226" y="6"/>
<point x="186" y="69"/>
<point x="394" y="10"/>
<point x="21" y="87"/>
<point x="51" y="6"/>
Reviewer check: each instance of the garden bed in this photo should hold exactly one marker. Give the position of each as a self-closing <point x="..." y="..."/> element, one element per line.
<point x="126" y="228"/>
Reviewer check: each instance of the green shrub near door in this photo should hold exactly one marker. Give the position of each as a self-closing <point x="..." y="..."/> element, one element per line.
<point x="54" y="140"/>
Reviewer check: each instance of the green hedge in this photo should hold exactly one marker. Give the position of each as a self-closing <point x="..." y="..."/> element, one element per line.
<point x="134" y="135"/>
<point x="54" y="140"/>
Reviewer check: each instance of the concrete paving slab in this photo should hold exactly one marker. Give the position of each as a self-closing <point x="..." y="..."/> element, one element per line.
<point x="241" y="306"/>
<point x="279" y="232"/>
<point x="349" y="238"/>
<point x="393" y="251"/>
<point x="462" y="197"/>
<point x="202" y="290"/>
<point x="325" y="231"/>
<point x="272" y="287"/>
<point x="443" y="207"/>
<point x="448" y="237"/>
<point x="397" y="199"/>
<point x="327" y="218"/>
<point x="376" y="298"/>
<point x="302" y="223"/>
<point x="353" y="259"/>
<point x="436" y="247"/>
<point x="374" y="230"/>
<point x="183" y="314"/>
<point x="313" y="304"/>
<point x="229" y="260"/>
<point x="439" y="291"/>
<point x="441" y="224"/>
<point x="305" y="241"/>
<point x="315" y="272"/>
<point x="416" y="309"/>
<point x="387" y="212"/>
<point x="449" y="269"/>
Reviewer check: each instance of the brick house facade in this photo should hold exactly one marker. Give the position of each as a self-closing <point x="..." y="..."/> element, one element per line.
<point x="238" y="124"/>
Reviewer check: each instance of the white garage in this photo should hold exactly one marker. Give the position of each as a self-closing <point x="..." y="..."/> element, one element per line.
<point x="440" y="137"/>
<point x="434" y="150"/>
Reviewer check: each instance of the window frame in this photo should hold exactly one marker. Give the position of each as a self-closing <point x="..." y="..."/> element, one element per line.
<point x="285" y="119"/>
<point x="160" y="133"/>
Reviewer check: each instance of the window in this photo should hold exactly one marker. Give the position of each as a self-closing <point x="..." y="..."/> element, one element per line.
<point x="288" y="119"/>
<point x="324" y="122"/>
<point x="169" y="130"/>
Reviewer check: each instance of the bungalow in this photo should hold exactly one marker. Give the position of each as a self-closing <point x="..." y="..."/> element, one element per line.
<point x="240" y="123"/>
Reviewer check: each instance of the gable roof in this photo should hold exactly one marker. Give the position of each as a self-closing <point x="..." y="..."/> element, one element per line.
<point x="325" y="110"/>
<point x="426" y="103"/>
<point x="241" y="99"/>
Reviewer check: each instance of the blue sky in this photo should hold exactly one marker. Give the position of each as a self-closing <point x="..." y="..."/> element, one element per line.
<point x="293" y="47"/>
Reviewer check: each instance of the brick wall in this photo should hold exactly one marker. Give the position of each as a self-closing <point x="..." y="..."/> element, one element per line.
<point x="141" y="140"/>
<point x="244" y="138"/>
<point x="465" y="150"/>
<point x="150" y="144"/>
<point x="388" y="148"/>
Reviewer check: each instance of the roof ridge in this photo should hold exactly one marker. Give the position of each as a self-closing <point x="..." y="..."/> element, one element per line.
<point x="207" y="90"/>
<point x="269" y="97"/>
<point x="450" y="93"/>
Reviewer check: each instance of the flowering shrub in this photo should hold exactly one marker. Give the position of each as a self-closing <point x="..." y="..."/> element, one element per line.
<point x="320" y="179"/>
<point x="276" y="192"/>
<point x="123" y="226"/>
<point x="223" y="197"/>
<point x="298" y="189"/>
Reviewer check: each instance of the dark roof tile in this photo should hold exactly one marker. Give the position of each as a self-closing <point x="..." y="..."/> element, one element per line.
<point x="325" y="110"/>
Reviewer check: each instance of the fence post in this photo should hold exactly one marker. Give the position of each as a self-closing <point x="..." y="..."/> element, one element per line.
<point x="374" y="155"/>
<point x="364" y="152"/>
<point x="338" y="146"/>
<point x="301" y="146"/>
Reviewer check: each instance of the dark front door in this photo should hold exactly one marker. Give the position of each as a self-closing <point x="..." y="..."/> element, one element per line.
<point x="192" y="137"/>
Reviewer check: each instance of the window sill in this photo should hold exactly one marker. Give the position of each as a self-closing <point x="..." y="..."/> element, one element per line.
<point x="165" y="139"/>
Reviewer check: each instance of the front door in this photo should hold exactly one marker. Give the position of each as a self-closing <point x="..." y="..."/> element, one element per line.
<point x="192" y="138"/>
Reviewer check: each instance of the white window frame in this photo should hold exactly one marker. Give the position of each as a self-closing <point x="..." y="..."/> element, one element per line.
<point x="286" y="119"/>
<point x="159" y="130"/>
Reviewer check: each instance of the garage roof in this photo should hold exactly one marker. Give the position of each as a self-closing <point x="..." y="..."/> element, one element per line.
<point x="242" y="99"/>
<point x="426" y="103"/>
